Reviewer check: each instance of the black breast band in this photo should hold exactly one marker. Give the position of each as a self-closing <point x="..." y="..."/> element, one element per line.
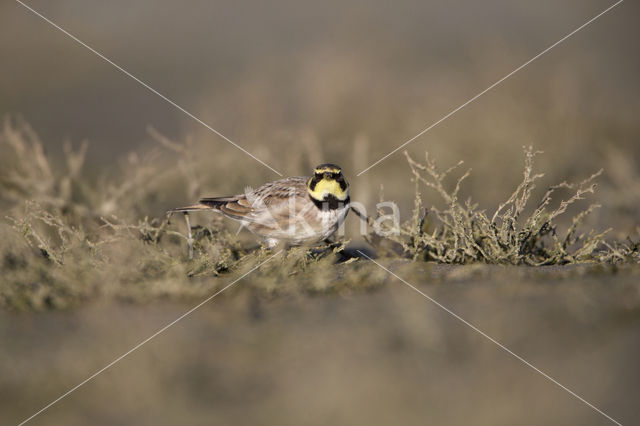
<point x="330" y="202"/>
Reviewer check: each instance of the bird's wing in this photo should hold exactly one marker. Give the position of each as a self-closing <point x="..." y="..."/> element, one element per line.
<point x="269" y="200"/>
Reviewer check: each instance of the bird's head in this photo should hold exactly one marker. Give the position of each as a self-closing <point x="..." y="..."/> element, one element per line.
<point x="328" y="184"/>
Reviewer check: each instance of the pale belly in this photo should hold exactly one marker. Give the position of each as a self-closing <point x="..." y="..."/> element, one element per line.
<point x="306" y="228"/>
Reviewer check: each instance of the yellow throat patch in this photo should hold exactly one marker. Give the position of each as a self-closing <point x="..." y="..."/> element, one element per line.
<point x="327" y="187"/>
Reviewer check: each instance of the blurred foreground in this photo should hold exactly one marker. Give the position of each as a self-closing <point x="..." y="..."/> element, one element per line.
<point x="384" y="357"/>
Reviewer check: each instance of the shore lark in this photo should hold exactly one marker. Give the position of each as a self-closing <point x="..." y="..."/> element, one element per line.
<point x="294" y="210"/>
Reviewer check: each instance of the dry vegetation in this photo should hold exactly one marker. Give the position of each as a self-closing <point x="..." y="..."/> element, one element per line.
<point x="67" y="236"/>
<point x="462" y="233"/>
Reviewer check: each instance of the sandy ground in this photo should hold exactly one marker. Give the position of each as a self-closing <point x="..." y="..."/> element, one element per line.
<point x="387" y="356"/>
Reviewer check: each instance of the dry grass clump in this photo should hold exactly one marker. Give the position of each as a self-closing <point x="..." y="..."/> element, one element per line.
<point x="48" y="263"/>
<point x="66" y="237"/>
<point x="515" y="233"/>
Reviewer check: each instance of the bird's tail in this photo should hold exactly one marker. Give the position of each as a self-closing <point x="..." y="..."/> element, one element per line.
<point x="205" y="204"/>
<point x="192" y="208"/>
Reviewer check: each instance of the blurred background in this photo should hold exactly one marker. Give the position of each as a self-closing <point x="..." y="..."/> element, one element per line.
<point x="339" y="81"/>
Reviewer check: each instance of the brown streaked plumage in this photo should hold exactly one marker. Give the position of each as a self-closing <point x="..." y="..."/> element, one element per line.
<point x="294" y="210"/>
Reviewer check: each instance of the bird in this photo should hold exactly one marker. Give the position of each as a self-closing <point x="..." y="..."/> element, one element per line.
<point x="294" y="210"/>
